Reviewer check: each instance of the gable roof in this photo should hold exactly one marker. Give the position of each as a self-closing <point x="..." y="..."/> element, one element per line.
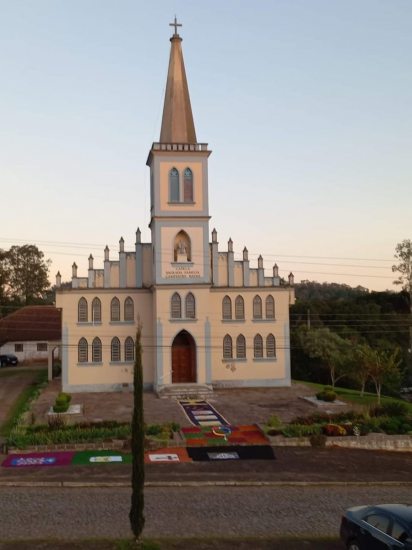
<point x="31" y="323"/>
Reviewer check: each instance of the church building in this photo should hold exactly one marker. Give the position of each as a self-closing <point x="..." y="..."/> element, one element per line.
<point x="208" y="320"/>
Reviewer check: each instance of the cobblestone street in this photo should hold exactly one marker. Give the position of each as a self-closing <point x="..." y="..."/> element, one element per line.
<point x="80" y="513"/>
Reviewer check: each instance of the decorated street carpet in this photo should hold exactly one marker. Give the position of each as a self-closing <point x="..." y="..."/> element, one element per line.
<point x="208" y="436"/>
<point x="92" y="458"/>
<point x="237" y="452"/>
<point x="201" y="413"/>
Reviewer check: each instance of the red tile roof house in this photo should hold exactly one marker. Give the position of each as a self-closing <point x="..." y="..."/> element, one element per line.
<point x="32" y="333"/>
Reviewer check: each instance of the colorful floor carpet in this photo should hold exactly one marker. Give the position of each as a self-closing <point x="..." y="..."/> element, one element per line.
<point x="38" y="459"/>
<point x="201" y="413"/>
<point x="225" y="435"/>
<point x="232" y="452"/>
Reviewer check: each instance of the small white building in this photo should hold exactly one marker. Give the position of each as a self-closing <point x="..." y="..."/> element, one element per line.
<point x="31" y="333"/>
<point x="207" y="319"/>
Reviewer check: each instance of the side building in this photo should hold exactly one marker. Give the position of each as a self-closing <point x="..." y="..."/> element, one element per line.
<point x="207" y="319"/>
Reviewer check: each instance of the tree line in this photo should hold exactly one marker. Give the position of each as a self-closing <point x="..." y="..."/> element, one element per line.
<point x="353" y="336"/>
<point x="24" y="273"/>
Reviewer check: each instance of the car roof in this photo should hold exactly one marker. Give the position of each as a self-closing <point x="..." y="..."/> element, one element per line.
<point x="403" y="511"/>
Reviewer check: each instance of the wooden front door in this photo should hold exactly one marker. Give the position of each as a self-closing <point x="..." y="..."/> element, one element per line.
<point x="183" y="359"/>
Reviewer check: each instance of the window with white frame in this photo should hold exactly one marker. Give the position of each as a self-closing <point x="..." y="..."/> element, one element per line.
<point x="270" y="346"/>
<point x="174" y="191"/>
<point x="227" y="347"/>
<point x="257" y="307"/>
<point x="82" y="315"/>
<point x="226" y="308"/>
<point x="129" y="349"/>
<point x="241" y="347"/>
<point x="128" y="309"/>
<point x="190" y="306"/>
<point x="82" y="351"/>
<point x="258" y="346"/>
<point x="239" y="308"/>
<point x="97" y="350"/>
<point x="115" y="309"/>
<point x="176" y="306"/>
<point x="96" y="310"/>
<point x="270" y="307"/>
<point x="115" y="349"/>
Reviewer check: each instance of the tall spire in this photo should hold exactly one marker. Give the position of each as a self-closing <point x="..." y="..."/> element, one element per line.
<point x="177" y="120"/>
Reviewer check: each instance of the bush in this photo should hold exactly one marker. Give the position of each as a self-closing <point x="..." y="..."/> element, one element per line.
<point x="62" y="402"/>
<point x="334" y="430"/>
<point x="392" y="408"/>
<point x="326" y="395"/>
<point x="274" y="422"/>
<point x="301" y="430"/>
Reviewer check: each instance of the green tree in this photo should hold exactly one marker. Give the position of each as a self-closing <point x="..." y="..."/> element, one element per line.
<point x="403" y="254"/>
<point x="330" y="348"/>
<point x="361" y="372"/>
<point x="136" y="515"/>
<point x="27" y="273"/>
<point x="382" y="367"/>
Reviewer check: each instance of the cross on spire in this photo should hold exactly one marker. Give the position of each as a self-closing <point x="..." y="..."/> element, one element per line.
<point x="175" y="25"/>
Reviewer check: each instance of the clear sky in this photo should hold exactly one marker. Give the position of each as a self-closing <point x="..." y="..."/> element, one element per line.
<point x="306" y="105"/>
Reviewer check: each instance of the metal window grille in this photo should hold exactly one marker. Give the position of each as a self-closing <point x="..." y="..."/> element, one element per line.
<point x="82" y="311"/>
<point x="129" y="349"/>
<point x="96" y="310"/>
<point x="115" y="310"/>
<point x="128" y="309"/>
<point x="270" y="307"/>
<point x="227" y="308"/>
<point x="83" y="352"/>
<point x="97" y="350"/>
<point x="270" y="346"/>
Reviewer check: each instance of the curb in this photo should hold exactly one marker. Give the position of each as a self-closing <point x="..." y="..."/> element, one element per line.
<point x="183" y="484"/>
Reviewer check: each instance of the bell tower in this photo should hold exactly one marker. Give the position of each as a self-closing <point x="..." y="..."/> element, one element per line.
<point x="179" y="211"/>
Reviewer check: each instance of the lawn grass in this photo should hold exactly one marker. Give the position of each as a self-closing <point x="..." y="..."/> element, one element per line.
<point x="353" y="396"/>
<point x="23" y="400"/>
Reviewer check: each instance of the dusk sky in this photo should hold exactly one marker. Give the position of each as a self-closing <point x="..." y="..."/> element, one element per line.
<point x="306" y="105"/>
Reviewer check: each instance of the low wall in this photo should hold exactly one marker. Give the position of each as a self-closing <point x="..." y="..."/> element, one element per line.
<point x="372" y="441"/>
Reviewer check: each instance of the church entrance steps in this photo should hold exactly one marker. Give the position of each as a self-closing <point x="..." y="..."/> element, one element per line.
<point x="185" y="391"/>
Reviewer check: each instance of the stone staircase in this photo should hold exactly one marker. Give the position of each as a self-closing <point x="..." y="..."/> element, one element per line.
<point x="185" y="391"/>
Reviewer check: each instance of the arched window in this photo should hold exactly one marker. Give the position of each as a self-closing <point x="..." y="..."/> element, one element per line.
<point x="83" y="351"/>
<point x="115" y="310"/>
<point x="188" y="185"/>
<point x="227" y="347"/>
<point x="190" y="306"/>
<point x="176" y="306"/>
<point x="258" y="346"/>
<point x="115" y="349"/>
<point x="182" y="247"/>
<point x="240" y="347"/>
<point x="128" y="309"/>
<point x="96" y="310"/>
<point x="227" y="308"/>
<point x="82" y="315"/>
<point x="270" y="346"/>
<point x="97" y="350"/>
<point x="174" y="192"/>
<point x="270" y="307"/>
<point x="239" y="308"/>
<point x="257" y="307"/>
<point x="129" y="349"/>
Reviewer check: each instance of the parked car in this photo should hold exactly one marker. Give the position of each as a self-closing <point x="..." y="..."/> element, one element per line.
<point x="386" y="526"/>
<point x="8" y="359"/>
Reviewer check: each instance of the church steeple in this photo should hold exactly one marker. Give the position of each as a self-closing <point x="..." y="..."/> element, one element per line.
<point x="177" y="120"/>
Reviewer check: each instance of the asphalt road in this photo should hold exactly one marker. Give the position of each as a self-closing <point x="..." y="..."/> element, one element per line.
<point x="62" y="513"/>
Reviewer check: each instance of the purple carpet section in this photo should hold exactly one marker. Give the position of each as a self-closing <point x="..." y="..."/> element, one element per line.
<point x="38" y="459"/>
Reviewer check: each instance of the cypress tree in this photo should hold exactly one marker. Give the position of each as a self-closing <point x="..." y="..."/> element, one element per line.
<point x="136" y="514"/>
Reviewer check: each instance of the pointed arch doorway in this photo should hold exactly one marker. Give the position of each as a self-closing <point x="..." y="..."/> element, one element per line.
<point x="183" y="359"/>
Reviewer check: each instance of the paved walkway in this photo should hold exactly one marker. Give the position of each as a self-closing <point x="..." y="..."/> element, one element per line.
<point x="238" y="406"/>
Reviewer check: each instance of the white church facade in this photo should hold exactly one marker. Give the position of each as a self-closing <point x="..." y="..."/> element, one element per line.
<point x="207" y="319"/>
